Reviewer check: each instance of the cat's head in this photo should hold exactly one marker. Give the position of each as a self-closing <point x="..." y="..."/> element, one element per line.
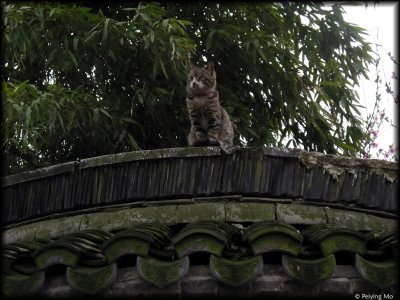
<point x="201" y="80"/>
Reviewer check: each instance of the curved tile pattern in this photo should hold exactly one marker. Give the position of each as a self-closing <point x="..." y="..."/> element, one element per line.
<point x="66" y="250"/>
<point x="20" y="285"/>
<point x="236" y="272"/>
<point x="91" y="280"/>
<point x="309" y="271"/>
<point x="382" y="274"/>
<point x="92" y="257"/>
<point x="56" y="255"/>
<point x="268" y="236"/>
<point x="203" y="236"/>
<point x="331" y="239"/>
<point x="162" y="273"/>
<point x="137" y="241"/>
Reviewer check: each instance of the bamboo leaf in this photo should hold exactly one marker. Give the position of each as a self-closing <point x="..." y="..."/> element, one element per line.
<point x="329" y="83"/>
<point x="129" y="120"/>
<point x="140" y="97"/>
<point x="60" y="118"/>
<point x="272" y="61"/>
<point x="96" y="115"/>
<point x="133" y="142"/>
<point x="163" y="68"/>
<point x="73" y="58"/>
<point x="209" y="39"/>
<point x="105" y="31"/>
<point x="104" y="112"/>
<point x="91" y="35"/>
<point x="165" y="23"/>
<point x="28" y="117"/>
<point x="75" y="43"/>
<point x="260" y="51"/>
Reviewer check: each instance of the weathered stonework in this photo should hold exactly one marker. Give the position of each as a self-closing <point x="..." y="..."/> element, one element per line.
<point x="199" y="282"/>
<point x="300" y="214"/>
<point x="186" y="211"/>
<point x="180" y="173"/>
<point x="186" y="222"/>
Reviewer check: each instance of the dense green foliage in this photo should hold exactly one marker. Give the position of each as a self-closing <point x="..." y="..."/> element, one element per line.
<point x="92" y="79"/>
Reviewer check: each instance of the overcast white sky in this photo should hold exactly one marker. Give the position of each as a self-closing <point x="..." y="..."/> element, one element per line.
<point x="380" y="23"/>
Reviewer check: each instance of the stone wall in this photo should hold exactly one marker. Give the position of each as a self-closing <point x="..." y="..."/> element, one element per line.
<point x="273" y="282"/>
<point x="186" y="222"/>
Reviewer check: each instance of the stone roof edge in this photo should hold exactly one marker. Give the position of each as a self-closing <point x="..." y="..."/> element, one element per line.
<point x="334" y="164"/>
<point x="233" y="209"/>
<point x="40" y="173"/>
<point x="109" y="160"/>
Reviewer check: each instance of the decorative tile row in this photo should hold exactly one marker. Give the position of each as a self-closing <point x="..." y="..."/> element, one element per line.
<point x="162" y="256"/>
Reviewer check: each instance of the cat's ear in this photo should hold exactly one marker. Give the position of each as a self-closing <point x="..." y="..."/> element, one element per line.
<point x="210" y="67"/>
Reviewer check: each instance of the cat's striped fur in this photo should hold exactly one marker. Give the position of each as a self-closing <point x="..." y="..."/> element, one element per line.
<point x="210" y="123"/>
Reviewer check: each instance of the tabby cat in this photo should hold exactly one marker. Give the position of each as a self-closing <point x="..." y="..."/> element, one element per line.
<point x="210" y="123"/>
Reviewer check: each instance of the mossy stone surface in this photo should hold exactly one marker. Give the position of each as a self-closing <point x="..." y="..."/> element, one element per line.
<point x="199" y="243"/>
<point x="160" y="214"/>
<point x="224" y="210"/>
<point x="20" y="233"/>
<point x="342" y="242"/>
<point x="300" y="214"/>
<point x="309" y="271"/>
<point x="45" y="229"/>
<point x="259" y="229"/>
<point x="249" y="212"/>
<point x="91" y="280"/>
<point x="108" y="220"/>
<point x="383" y="274"/>
<point x="276" y="242"/>
<point x="20" y="285"/>
<point x="200" y="211"/>
<point x="360" y="221"/>
<point x="125" y="245"/>
<point x="236" y="272"/>
<point x="162" y="273"/>
<point x="55" y="255"/>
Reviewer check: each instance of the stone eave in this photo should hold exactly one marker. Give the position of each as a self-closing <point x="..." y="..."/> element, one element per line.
<point x="311" y="159"/>
<point x="178" y="173"/>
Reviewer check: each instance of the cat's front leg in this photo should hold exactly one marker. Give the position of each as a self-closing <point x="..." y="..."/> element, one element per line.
<point x="197" y="136"/>
<point x="214" y="141"/>
<point x="213" y="130"/>
<point x="201" y="136"/>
